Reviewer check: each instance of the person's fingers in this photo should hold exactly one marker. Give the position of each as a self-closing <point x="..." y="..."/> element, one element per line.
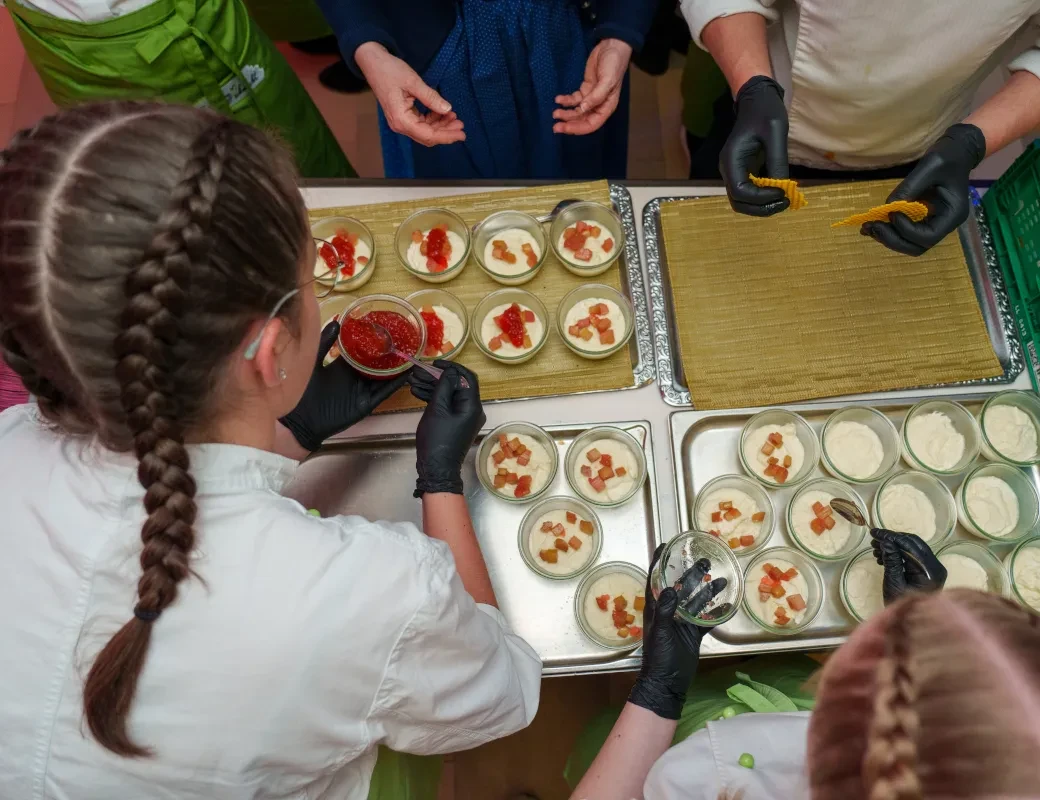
<point x="471" y="377"/>
<point x="599" y="89"/>
<point x="329" y="334"/>
<point x="591" y="121"/>
<point x="739" y="155"/>
<point x="695" y="605"/>
<point x="381" y="390"/>
<point x="567" y="114"/>
<point x="569" y="100"/>
<point x="776" y="149"/>
<point x="664" y="617"/>
<point x="415" y="127"/>
<point x="691" y="581"/>
<point x="884" y="233"/>
<point x="945" y="215"/>
<point x="920" y="179"/>
<point x="426" y="95"/>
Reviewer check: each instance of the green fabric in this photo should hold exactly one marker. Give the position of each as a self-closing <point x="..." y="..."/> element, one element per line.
<point x="289" y="20"/>
<point x="401" y="776"/>
<point x="778" y="685"/>
<point x="194" y="52"/>
<point x="702" y="84"/>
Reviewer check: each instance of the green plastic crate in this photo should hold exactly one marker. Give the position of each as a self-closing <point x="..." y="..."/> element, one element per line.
<point x="1012" y="208"/>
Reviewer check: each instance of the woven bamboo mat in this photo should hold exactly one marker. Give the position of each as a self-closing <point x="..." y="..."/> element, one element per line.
<point x="555" y="369"/>
<point x="784" y="309"/>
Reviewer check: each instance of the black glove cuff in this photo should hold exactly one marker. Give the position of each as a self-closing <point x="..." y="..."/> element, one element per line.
<point x="435" y="485"/>
<point x="972" y="138"/>
<point x="303" y="437"/>
<point x="658" y="697"/>
<point x="759" y="83"/>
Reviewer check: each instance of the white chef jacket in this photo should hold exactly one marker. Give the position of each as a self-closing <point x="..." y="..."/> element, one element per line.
<point x="84" y="10"/>
<point x="873" y="84"/>
<point x="302" y="645"/>
<point x="706" y="763"/>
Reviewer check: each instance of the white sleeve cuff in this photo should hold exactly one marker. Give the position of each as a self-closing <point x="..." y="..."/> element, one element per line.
<point x="496" y="615"/>
<point x="1029" y="61"/>
<point x="699" y="13"/>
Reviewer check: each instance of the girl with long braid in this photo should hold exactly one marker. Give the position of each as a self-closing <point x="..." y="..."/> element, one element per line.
<point x="173" y="626"/>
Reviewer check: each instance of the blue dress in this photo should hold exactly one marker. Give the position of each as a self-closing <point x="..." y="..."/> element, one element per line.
<point x="501" y="68"/>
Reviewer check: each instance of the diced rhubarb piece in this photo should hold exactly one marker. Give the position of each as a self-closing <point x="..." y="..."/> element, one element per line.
<point x="607" y="337"/>
<point x="828" y="522"/>
<point x="608" y="245"/>
<point x="512" y="479"/>
<point x="503" y="441"/>
<point x="772" y="460"/>
<point x="630" y="618"/>
<point x="605" y="473"/>
<point x="498" y="254"/>
<point x="584" y="254"/>
<point x="787" y="462"/>
<point x="776" y="573"/>
<point x="707" y="578"/>
<point x="767" y="449"/>
<point x="362" y="259"/>
<point x="796" y="602"/>
<point x="781" y="475"/>
<point x="516" y="445"/>
<point x="620" y="602"/>
<point x="524" y="458"/>
<point x="606" y="459"/>
<point x="827" y="511"/>
<point x="581" y="226"/>
<point x="758" y="516"/>
<point x="561" y="545"/>
<point x="725" y="505"/>
<point x="586" y="470"/>
<point x="747" y="541"/>
<point x="817" y="526"/>
<point x="417" y="236"/>
<point x="595" y="230"/>
<point x="731" y="514"/>
<point x="502" y="471"/>
<point x="527" y="341"/>
<point x="600" y="309"/>
<point x="559" y="530"/>
<point x="621" y="472"/>
<point x="550" y="556"/>
<point x="734" y="543"/>
<point x="573" y="330"/>
<point x="602" y="325"/>
<point x="500" y="481"/>
<point x="500" y="244"/>
<point x="570" y="232"/>
<point x="572" y="517"/>
<point x="771" y="470"/>
<point x="778" y="591"/>
<point x="521" y="490"/>
<point x="640" y="602"/>
<point x="602" y="600"/>
<point x="431" y="352"/>
<point x="597" y="484"/>
<point x="593" y="455"/>
<point x="532" y="259"/>
<point x="528" y="316"/>
<point x="817" y="508"/>
<point x="791" y="574"/>
<point x="618" y="617"/>
<point x="498" y="456"/>
<point x="716" y="516"/>
<point x="635" y="631"/>
<point x="574" y="542"/>
<point x="585" y="334"/>
<point x="775" y="438"/>
<point x="495" y="343"/>
<point x="586" y="526"/>
<point x="763" y="597"/>
<point x="547" y="526"/>
<point x="584" y="322"/>
<point x="622" y="632"/>
<point x="525" y="482"/>
<point x="509" y="258"/>
<point x="715" y="534"/>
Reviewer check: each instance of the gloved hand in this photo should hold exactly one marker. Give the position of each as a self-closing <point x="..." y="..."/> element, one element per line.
<point x="940" y="179"/>
<point x="671" y="647"/>
<point x="910" y="565"/>
<point x="448" y="427"/>
<point x="337" y="397"/>
<point x="761" y="124"/>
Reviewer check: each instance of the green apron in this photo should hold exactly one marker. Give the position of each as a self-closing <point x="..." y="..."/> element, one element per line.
<point x="402" y="776"/>
<point x="289" y="20"/>
<point x="195" y="52"/>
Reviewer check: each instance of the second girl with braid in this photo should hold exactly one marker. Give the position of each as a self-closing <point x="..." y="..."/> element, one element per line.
<point x="172" y="626"/>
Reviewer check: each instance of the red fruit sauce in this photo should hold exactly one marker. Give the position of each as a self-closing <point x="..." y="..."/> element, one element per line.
<point x="342" y="245"/>
<point x="436" y="257"/>
<point x="362" y="344"/>
<point x="512" y="325"/>
<point x="434" y="330"/>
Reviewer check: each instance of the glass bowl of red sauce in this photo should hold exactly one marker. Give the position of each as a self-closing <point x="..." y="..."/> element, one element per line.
<point x="447" y="322"/>
<point x="346" y="240"/>
<point x="359" y="344"/>
<point x="433" y="244"/>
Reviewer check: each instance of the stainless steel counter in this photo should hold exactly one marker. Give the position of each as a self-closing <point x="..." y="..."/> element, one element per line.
<point x="645" y="403"/>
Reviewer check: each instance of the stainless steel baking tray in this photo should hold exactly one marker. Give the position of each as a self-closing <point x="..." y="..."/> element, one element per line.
<point x="374" y="477"/>
<point x="704" y="446"/>
<point x="985" y="272"/>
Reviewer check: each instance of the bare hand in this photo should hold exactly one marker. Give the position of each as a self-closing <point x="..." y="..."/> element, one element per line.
<point x="588" y="108"/>
<point x="397" y="87"/>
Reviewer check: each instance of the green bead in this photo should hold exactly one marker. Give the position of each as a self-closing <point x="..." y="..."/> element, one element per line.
<point x="746" y="760"/>
<point x="729" y="712"/>
<point x="314" y="512"/>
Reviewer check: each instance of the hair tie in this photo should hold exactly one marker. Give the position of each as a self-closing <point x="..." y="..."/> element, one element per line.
<point x="146" y="616"/>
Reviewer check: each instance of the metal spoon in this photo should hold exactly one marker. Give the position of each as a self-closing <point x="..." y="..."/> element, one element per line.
<point x="546" y="217"/>
<point x="386" y="344"/>
<point x="849" y="510"/>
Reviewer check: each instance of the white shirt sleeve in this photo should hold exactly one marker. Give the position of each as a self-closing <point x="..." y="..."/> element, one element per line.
<point x="1029" y="61"/>
<point x="699" y="13"/>
<point x="457" y="677"/>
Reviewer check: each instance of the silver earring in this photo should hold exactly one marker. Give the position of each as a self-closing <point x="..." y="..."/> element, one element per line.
<point x="282" y="374"/>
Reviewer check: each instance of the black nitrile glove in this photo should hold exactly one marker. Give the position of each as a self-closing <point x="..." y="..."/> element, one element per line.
<point x="940" y="179"/>
<point x="337" y="397"/>
<point x="671" y="647"/>
<point x="448" y="427"/>
<point x="910" y="565"/>
<point x="761" y="125"/>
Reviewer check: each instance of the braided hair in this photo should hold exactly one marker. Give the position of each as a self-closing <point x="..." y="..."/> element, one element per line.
<point x="141" y="244"/>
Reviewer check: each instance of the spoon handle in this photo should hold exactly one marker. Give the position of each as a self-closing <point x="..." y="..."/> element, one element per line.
<point x="432" y="370"/>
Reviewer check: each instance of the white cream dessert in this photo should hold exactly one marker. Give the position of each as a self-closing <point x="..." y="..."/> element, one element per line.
<point x="1027" y="576"/>
<point x="906" y="509"/>
<point x="774" y="452"/>
<point x="595" y="324"/>
<point x="511" y="252"/>
<point x="332" y="251"/>
<point x="935" y="441"/>
<point x="501" y="343"/>
<point x="587" y="243"/>
<point x="606" y="471"/>
<point x="561" y="542"/>
<point x="423" y="258"/>
<point x="614" y="607"/>
<point x="1011" y="432"/>
<point x="992" y="505"/>
<point x="518" y="465"/>
<point x="863" y="587"/>
<point x="731" y="515"/>
<point x="854" y="449"/>
<point x="963" y="572"/>
<point x="817" y="526"/>
<point x="453" y="329"/>
<point x="778" y="593"/>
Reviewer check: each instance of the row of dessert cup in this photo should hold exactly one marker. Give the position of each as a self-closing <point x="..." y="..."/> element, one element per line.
<point x="409" y="308"/>
<point x="583" y="507"/>
<point x="476" y="239"/>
